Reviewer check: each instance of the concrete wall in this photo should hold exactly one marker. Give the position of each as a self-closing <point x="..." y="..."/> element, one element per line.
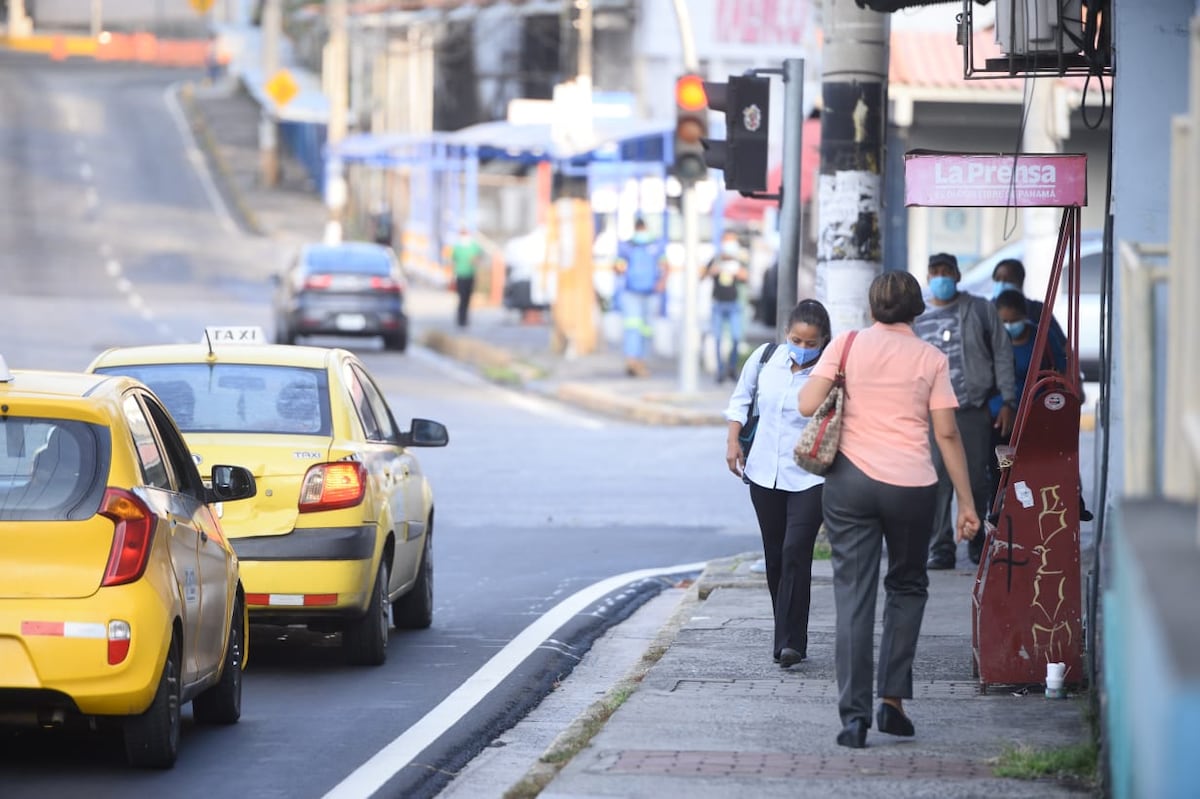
<point x="1151" y="682"/>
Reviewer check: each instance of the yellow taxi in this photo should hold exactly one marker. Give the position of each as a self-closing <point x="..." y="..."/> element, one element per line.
<point x="339" y="536"/>
<point x="119" y="594"/>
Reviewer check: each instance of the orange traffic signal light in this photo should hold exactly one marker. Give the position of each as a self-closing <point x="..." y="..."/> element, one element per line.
<point x="691" y="128"/>
<point x="689" y="93"/>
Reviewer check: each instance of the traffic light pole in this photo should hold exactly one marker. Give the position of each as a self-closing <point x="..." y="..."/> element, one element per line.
<point x="689" y="345"/>
<point x="791" y="208"/>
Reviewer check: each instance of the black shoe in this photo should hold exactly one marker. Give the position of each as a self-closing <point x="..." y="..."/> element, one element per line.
<point x="940" y="562"/>
<point x="1085" y="515"/>
<point x="854" y="734"/>
<point x="893" y="721"/>
<point x="775" y="657"/>
<point x="790" y="657"/>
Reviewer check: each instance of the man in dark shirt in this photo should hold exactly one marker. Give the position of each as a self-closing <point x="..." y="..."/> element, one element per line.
<point x="729" y="274"/>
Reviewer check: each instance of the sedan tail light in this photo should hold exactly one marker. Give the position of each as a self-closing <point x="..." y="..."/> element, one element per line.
<point x="387" y="284"/>
<point x="132" y="537"/>
<point x="329" y="486"/>
<point x="318" y="281"/>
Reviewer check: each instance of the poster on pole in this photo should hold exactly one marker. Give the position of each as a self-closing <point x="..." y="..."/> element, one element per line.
<point x="979" y="180"/>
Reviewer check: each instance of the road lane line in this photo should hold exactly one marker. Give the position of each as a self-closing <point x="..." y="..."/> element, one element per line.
<point x="124" y="286"/>
<point x="535" y="405"/>
<point x="113" y="267"/>
<point x="199" y="164"/>
<point x="374" y="774"/>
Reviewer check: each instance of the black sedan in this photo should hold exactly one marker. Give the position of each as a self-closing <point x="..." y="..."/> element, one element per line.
<point x="349" y="289"/>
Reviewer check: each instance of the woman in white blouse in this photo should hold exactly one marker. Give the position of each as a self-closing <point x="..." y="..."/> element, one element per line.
<point x="786" y="499"/>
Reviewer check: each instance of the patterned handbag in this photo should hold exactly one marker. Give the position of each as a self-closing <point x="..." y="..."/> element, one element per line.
<point x="818" y="443"/>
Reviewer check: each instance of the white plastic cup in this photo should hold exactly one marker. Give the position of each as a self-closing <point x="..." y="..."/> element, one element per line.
<point x="1055" y="675"/>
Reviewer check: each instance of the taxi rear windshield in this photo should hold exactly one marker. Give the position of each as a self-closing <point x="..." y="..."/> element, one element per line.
<point x="51" y="469"/>
<point x="238" y="398"/>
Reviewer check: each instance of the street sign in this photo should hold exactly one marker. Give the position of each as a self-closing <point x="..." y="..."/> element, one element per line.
<point x="201" y="6"/>
<point x="282" y="87"/>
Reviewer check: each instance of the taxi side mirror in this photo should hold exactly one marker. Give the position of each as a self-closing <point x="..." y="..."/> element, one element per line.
<point x="425" y="433"/>
<point x="230" y="483"/>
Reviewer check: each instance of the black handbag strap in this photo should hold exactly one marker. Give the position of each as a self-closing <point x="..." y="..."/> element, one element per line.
<point x="767" y="352"/>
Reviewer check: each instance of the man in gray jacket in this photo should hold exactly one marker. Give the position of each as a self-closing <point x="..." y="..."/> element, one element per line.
<point x="966" y="328"/>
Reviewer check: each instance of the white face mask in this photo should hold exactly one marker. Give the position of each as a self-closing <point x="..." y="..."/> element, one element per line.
<point x="730" y="248"/>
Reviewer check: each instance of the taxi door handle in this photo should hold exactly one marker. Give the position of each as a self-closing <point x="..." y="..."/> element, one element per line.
<point x="203" y="537"/>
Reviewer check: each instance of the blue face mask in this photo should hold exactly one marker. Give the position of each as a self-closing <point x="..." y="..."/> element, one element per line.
<point x="943" y="287"/>
<point x="999" y="288"/>
<point x="802" y="355"/>
<point x="1015" y="328"/>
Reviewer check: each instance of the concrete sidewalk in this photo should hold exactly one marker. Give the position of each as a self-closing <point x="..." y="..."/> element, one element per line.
<point x="706" y="713"/>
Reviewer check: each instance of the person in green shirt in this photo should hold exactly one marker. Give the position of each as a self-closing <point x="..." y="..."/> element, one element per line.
<point x="465" y="256"/>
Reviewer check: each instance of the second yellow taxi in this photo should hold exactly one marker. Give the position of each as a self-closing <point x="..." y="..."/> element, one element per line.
<point x="340" y="535"/>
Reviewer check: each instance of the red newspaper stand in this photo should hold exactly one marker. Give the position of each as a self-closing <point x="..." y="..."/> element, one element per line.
<point x="1026" y="606"/>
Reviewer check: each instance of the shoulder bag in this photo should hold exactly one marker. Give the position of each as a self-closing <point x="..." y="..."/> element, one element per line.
<point x="746" y="437"/>
<point x="818" y="443"/>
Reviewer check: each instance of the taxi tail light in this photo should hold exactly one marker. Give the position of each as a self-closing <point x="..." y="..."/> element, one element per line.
<point x="133" y="536"/>
<point x="119" y="637"/>
<point x="329" y="486"/>
<point x="318" y="281"/>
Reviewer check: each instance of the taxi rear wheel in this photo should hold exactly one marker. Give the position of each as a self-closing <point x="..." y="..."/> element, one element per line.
<point x="152" y="739"/>
<point x="414" y="610"/>
<point x="222" y="703"/>
<point x="365" y="640"/>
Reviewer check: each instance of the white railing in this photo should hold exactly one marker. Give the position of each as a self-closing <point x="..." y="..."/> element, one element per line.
<point x="1139" y="274"/>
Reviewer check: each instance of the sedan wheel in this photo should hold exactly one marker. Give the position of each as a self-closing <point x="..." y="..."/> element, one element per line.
<point x="365" y="640"/>
<point x="152" y="739"/>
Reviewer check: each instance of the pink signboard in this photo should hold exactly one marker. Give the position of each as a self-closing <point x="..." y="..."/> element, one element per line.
<point x="978" y="180"/>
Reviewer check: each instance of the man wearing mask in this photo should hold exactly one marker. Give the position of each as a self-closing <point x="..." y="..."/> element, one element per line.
<point x="641" y="262"/>
<point x="967" y="329"/>
<point x="729" y="274"/>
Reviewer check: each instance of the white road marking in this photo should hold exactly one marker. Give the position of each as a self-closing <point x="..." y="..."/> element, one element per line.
<point x="124" y="286"/>
<point x="113" y="267"/>
<point x="170" y="97"/>
<point x="372" y="775"/>
<point x="85" y="171"/>
<point x="136" y="300"/>
<point x="533" y="404"/>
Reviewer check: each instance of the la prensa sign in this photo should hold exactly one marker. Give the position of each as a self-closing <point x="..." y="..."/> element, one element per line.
<point x="995" y="180"/>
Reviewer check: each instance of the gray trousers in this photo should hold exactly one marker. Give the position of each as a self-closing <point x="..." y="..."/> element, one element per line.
<point x="860" y="514"/>
<point x="975" y="427"/>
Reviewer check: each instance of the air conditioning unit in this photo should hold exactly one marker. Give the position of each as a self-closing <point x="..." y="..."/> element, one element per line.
<point x="1028" y="27"/>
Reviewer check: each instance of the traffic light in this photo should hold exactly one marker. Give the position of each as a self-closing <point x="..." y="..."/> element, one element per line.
<point x="746" y="103"/>
<point x="691" y="128"/>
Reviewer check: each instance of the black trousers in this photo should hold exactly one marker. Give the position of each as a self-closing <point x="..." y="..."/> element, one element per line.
<point x="861" y="514"/>
<point x="975" y="428"/>
<point x="789" y="522"/>
<point x="465" y="286"/>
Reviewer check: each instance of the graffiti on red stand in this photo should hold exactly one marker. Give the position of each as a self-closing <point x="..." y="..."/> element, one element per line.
<point x="1052" y="634"/>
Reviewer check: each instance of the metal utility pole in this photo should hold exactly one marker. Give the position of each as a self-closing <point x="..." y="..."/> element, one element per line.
<point x="336" y="67"/>
<point x="18" y="23"/>
<point x="97" y="18"/>
<point x="791" y="209"/>
<point x="689" y="349"/>
<point x="853" y="126"/>
<point x="268" y="143"/>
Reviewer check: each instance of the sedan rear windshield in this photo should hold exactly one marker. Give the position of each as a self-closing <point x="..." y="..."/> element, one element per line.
<point x="347" y="260"/>
<point x="238" y="398"/>
<point x="51" y="469"/>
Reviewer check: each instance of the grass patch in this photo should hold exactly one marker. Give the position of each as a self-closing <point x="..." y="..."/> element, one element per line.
<point x="1076" y="763"/>
<point x="822" y="551"/>
<point x="504" y="375"/>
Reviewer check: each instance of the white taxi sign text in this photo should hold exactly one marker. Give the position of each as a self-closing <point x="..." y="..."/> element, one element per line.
<point x="245" y="334"/>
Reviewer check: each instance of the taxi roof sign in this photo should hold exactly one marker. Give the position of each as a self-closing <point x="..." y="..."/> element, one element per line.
<point x="234" y="334"/>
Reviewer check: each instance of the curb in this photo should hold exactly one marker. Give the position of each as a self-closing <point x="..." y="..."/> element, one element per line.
<point x="579" y="733"/>
<point x="212" y="152"/>
<point x="515" y="373"/>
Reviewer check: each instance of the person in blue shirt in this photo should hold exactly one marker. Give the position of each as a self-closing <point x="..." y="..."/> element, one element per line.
<point x="1013" y="310"/>
<point x="786" y="498"/>
<point x="641" y="262"/>
<point x="1009" y="275"/>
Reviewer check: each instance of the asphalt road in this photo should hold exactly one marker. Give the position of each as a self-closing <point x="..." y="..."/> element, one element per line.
<point x="107" y="237"/>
